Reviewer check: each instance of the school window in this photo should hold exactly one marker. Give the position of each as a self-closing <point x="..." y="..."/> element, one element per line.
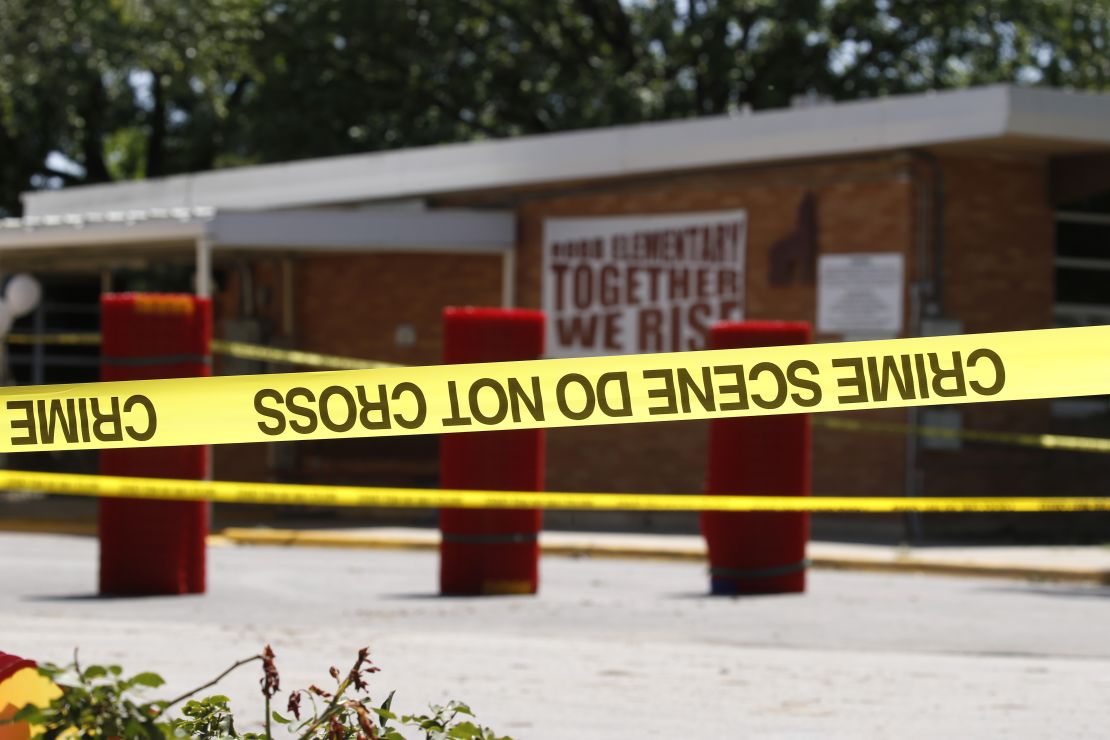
<point x="1082" y="269"/>
<point x="1082" y="289"/>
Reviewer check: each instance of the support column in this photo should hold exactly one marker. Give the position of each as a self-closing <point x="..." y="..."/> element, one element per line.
<point x="508" y="278"/>
<point x="491" y="551"/>
<point x="758" y="552"/>
<point x="154" y="547"/>
<point x="204" y="267"/>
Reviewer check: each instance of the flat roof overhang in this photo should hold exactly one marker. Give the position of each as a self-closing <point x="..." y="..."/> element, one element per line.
<point x="102" y="240"/>
<point x="434" y="231"/>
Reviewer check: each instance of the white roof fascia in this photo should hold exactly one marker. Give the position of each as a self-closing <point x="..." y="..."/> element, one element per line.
<point x="442" y="231"/>
<point x="824" y="130"/>
<point x="112" y="234"/>
<point x="138" y="195"/>
<point x="1046" y="113"/>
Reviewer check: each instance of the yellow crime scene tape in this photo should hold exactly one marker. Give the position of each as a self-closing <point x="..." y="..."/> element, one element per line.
<point x="446" y="399"/>
<point x="1071" y="443"/>
<point x="71" y="338"/>
<point x="239" y="350"/>
<point x="248" y="351"/>
<point x="166" y="489"/>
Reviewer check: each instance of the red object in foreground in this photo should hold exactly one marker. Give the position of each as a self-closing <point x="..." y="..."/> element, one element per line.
<point x="153" y="547"/>
<point x="758" y="552"/>
<point x="490" y="551"/>
<point x="10" y="664"/>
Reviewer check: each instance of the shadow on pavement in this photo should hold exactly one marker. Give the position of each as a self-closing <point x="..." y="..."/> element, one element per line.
<point x="1054" y="590"/>
<point x="433" y="596"/>
<point x="706" y="596"/>
<point x="62" y="598"/>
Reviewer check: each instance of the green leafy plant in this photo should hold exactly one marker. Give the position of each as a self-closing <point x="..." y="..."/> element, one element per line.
<point x="98" y="701"/>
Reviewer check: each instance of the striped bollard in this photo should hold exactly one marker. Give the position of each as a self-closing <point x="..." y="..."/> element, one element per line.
<point x="153" y="547"/>
<point x="491" y="551"/>
<point x="758" y="552"/>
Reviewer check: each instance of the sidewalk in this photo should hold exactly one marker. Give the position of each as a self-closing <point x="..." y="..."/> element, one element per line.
<point x="1076" y="564"/>
<point x="1080" y="564"/>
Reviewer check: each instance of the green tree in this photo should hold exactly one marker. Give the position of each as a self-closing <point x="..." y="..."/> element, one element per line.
<point x="121" y="88"/>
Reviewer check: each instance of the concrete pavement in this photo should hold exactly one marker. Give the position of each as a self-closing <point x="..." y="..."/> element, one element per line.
<point x="1077" y="564"/>
<point x="611" y="648"/>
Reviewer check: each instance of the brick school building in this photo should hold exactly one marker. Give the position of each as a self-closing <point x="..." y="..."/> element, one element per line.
<point x="972" y="211"/>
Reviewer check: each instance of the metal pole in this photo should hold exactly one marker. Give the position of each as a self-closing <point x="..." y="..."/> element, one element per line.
<point x="204" y="267"/>
<point x="38" y="351"/>
<point x="508" y="278"/>
<point x="204" y="290"/>
<point x="287" y="309"/>
<point x="915" y="532"/>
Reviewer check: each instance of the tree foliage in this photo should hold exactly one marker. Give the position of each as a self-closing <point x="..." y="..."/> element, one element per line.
<point x="97" y="90"/>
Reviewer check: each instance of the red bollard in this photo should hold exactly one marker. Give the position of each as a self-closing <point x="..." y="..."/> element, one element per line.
<point x="153" y="547"/>
<point x="758" y="552"/>
<point x="491" y="551"/>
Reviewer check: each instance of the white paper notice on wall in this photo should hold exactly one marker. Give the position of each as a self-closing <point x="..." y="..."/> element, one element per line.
<point x="635" y="284"/>
<point x="860" y="294"/>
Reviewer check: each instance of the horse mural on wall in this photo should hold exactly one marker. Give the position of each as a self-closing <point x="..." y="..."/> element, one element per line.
<point x="794" y="256"/>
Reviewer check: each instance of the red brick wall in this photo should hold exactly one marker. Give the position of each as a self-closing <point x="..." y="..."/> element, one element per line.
<point x="352" y="304"/>
<point x="997" y="275"/>
<point x="863" y="205"/>
<point x="998" y="234"/>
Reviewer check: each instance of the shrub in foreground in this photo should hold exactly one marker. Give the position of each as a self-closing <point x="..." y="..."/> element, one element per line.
<point x="99" y="701"/>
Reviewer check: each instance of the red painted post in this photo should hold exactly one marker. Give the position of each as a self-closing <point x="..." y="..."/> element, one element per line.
<point x="758" y="552"/>
<point x="494" y="551"/>
<point x="154" y="547"/>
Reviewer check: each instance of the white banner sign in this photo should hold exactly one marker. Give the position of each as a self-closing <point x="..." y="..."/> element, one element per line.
<point x="860" y="294"/>
<point x="638" y="284"/>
